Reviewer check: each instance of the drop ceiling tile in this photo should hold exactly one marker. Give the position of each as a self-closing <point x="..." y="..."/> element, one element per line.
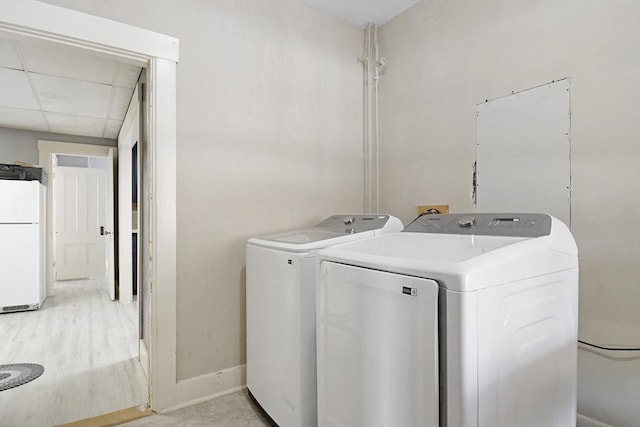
<point x="9" y="56"/>
<point x="75" y="125"/>
<point x="15" y="90"/>
<point x="120" y="103"/>
<point x="112" y="129"/>
<point x="22" y="119"/>
<point x="127" y="76"/>
<point x="60" y="95"/>
<point x="62" y="62"/>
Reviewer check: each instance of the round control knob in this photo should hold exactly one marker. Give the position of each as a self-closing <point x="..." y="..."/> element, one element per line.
<point x="466" y="221"/>
<point x="348" y="220"/>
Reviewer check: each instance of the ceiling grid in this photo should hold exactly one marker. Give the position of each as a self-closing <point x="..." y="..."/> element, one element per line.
<point x="57" y="89"/>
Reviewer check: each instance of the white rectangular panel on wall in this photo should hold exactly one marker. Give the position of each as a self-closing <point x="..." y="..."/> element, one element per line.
<point x="523" y="152"/>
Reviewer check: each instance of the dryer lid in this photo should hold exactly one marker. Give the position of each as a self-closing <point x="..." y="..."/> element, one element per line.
<point x="460" y="261"/>
<point x="484" y="224"/>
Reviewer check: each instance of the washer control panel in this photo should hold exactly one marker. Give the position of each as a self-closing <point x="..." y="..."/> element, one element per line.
<point x="484" y="224"/>
<point x="350" y="224"/>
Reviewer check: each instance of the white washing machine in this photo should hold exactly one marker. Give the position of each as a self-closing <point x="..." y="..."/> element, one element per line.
<point x="281" y="340"/>
<point x="459" y="321"/>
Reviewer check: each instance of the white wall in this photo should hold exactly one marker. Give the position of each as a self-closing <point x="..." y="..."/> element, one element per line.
<point x="22" y="145"/>
<point x="445" y="56"/>
<point x="269" y="138"/>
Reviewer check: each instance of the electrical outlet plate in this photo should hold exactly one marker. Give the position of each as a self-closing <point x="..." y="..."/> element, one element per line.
<point x="443" y="209"/>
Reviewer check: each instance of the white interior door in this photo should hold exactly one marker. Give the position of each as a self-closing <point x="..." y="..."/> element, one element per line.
<point x="83" y="222"/>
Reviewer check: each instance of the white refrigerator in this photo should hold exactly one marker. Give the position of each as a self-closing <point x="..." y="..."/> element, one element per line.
<point x="22" y="245"/>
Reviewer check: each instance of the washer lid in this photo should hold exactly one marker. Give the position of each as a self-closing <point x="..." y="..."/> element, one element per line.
<point x="333" y="230"/>
<point x="303" y="236"/>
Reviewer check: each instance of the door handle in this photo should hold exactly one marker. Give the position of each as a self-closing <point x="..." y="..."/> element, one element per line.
<point x="104" y="232"/>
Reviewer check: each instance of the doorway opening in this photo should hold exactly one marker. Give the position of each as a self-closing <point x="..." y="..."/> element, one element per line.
<point x="158" y="54"/>
<point x="82" y="290"/>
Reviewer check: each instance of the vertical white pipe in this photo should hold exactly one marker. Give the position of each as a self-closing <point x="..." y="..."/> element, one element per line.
<point x="376" y="162"/>
<point x="370" y="126"/>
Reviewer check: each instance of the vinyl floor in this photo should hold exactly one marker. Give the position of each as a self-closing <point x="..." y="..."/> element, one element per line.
<point x="88" y="346"/>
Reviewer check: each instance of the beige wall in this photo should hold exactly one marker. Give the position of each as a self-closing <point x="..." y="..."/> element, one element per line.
<point x="22" y="145"/>
<point x="269" y="138"/>
<point x="444" y="57"/>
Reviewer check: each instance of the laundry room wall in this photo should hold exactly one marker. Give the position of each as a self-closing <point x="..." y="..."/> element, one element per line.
<point x="269" y="138"/>
<point x="22" y="145"/>
<point x="444" y="57"/>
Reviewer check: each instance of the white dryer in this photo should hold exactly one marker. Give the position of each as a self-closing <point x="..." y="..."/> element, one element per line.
<point x="459" y="321"/>
<point x="281" y="341"/>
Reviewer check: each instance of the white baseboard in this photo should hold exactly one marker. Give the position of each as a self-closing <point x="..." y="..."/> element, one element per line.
<point x="590" y="422"/>
<point x="206" y="387"/>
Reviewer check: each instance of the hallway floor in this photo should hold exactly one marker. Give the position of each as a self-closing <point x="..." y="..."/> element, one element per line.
<point x="88" y="346"/>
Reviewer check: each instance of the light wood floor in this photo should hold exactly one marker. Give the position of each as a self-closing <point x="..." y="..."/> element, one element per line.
<point x="88" y="347"/>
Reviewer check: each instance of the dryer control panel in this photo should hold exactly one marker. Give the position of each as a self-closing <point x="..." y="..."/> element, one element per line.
<point x="484" y="224"/>
<point x="350" y="224"/>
